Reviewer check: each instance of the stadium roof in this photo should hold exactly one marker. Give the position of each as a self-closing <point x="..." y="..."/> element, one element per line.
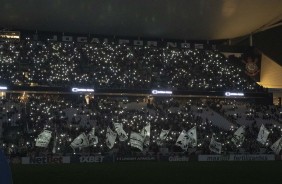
<point x="179" y="19"/>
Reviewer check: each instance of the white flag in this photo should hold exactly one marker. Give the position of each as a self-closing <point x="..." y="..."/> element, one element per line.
<point x="43" y="139"/>
<point x="183" y="140"/>
<point x="110" y="138"/>
<point x="146" y="132"/>
<point x="215" y="146"/>
<point x="121" y="133"/>
<point x="263" y="135"/>
<point x="277" y="146"/>
<point x="239" y="136"/>
<point x="80" y="142"/>
<point x="192" y="136"/>
<point x="136" y="140"/>
<point x="164" y="134"/>
<point x="92" y="139"/>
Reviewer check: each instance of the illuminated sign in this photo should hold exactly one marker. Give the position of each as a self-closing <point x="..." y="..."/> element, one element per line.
<point x="9" y="35"/>
<point x="233" y="94"/>
<point x="155" y="92"/>
<point x="81" y="90"/>
<point x="3" y="88"/>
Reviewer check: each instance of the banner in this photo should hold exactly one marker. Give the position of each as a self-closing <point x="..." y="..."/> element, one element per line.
<point x="232" y="157"/>
<point x="146" y="132"/>
<point x="136" y="140"/>
<point x="46" y="160"/>
<point x="91" y="159"/>
<point x="174" y="158"/>
<point x="239" y="136"/>
<point x="116" y="40"/>
<point x="121" y="133"/>
<point x="43" y="139"/>
<point x="135" y="158"/>
<point x="277" y="146"/>
<point x="110" y="138"/>
<point x="80" y="142"/>
<point x="215" y="146"/>
<point x="263" y="135"/>
<point x="92" y="139"/>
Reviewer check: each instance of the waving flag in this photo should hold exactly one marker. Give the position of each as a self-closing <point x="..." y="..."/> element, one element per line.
<point x="136" y="140"/>
<point x="164" y="134"/>
<point x="80" y="142"/>
<point x="92" y="139"/>
<point x="192" y="136"/>
<point x="215" y="146"/>
<point x="110" y="138"/>
<point x="146" y="132"/>
<point x="277" y="146"/>
<point x="43" y="139"/>
<point x="183" y="140"/>
<point x="263" y="134"/>
<point x="239" y="136"/>
<point x="121" y="133"/>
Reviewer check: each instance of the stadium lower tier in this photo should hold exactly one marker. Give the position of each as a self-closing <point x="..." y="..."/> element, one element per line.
<point x="66" y="124"/>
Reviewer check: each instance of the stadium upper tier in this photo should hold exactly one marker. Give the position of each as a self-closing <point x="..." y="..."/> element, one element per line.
<point x="117" y="66"/>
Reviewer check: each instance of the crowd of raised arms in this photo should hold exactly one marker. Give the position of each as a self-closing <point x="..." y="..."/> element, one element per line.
<point x="24" y="117"/>
<point x="117" y="66"/>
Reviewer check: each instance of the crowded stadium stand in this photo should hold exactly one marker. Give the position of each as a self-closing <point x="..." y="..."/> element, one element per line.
<point x="204" y="89"/>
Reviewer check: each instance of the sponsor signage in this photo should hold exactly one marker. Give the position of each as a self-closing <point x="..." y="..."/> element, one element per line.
<point x="91" y="159"/>
<point x="233" y="94"/>
<point x="136" y="158"/>
<point x="157" y="92"/>
<point x="174" y="158"/>
<point x="45" y="160"/>
<point x="3" y="88"/>
<point x="262" y="157"/>
<point x="77" y="90"/>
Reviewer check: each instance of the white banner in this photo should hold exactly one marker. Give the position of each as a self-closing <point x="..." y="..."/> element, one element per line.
<point x="43" y="139"/>
<point x="92" y="139"/>
<point x="215" y="146"/>
<point x="277" y="146"/>
<point x="239" y="136"/>
<point x="121" y="133"/>
<point x="263" y="135"/>
<point x="80" y="142"/>
<point x="146" y="132"/>
<point x="110" y="138"/>
<point x="136" y="140"/>
<point x="183" y="140"/>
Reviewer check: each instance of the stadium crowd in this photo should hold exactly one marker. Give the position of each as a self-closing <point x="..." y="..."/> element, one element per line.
<point x="119" y="66"/>
<point x="24" y="116"/>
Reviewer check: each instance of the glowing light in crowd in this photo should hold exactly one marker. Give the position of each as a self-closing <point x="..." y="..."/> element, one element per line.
<point x="81" y="90"/>
<point x="3" y="88"/>
<point x="155" y="92"/>
<point x="233" y="94"/>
